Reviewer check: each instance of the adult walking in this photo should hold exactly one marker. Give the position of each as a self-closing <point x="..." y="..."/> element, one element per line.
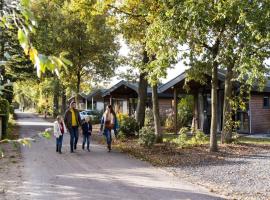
<point x="73" y="121"/>
<point x="116" y="124"/>
<point x="107" y="124"/>
<point x="59" y="131"/>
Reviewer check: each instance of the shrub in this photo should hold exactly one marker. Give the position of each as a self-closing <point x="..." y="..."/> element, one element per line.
<point x="199" y="138"/>
<point x="149" y="118"/>
<point x="182" y="139"/>
<point x="185" y="141"/>
<point x="11" y="109"/>
<point x="169" y="121"/>
<point x="121" y="136"/>
<point x="185" y="111"/>
<point x="128" y="125"/>
<point x="184" y="115"/>
<point x="4" y="110"/>
<point x="184" y="130"/>
<point x="147" y="136"/>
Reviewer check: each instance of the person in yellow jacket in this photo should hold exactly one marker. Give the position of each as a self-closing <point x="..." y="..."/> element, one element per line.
<point x="73" y="121"/>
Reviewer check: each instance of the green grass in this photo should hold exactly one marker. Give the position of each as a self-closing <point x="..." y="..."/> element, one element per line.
<point x="169" y="137"/>
<point x="248" y="140"/>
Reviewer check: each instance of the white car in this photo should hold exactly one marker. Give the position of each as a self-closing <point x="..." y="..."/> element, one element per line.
<point x="89" y="113"/>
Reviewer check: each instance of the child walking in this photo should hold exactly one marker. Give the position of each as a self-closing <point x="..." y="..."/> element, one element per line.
<point x="59" y="131"/>
<point x="87" y="131"/>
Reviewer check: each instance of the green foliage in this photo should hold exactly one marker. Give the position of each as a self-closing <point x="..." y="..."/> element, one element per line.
<point x="128" y="125"/>
<point x="212" y="35"/>
<point x="184" y="140"/>
<point x="184" y="130"/>
<point x="149" y="118"/>
<point x="47" y="134"/>
<point x="11" y="109"/>
<point x="121" y="136"/>
<point x="147" y="133"/>
<point x="185" y="110"/>
<point x="10" y="129"/>
<point x="4" y="109"/>
<point x="147" y="136"/>
<point x="184" y="115"/>
<point x="20" y="18"/>
<point x="169" y="121"/>
<point x="199" y="138"/>
<point x="76" y="28"/>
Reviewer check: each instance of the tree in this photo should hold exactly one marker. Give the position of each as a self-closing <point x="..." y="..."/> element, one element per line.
<point x="131" y="19"/>
<point x="215" y="35"/>
<point x="75" y="28"/>
<point x="245" y="50"/>
<point x="16" y="65"/>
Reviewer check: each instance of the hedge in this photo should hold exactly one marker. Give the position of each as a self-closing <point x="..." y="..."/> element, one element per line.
<point x="4" y="109"/>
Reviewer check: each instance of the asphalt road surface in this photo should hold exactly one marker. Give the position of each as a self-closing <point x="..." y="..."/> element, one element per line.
<point x="96" y="175"/>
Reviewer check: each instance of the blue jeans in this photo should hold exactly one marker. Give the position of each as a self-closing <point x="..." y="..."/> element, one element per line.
<point x="74" y="136"/>
<point x="59" y="142"/>
<point x="86" y="139"/>
<point x="108" y="135"/>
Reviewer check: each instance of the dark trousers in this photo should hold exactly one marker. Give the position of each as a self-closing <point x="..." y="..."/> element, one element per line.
<point x="74" y="136"/>
<point x="59" y="142"/>
<point x="86" y="139"/>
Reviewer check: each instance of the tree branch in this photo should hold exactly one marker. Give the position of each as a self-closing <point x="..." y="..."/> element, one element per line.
<point x="125" y="12"/>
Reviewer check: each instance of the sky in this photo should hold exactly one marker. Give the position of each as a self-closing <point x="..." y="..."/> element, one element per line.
<point x="171" y="73"/>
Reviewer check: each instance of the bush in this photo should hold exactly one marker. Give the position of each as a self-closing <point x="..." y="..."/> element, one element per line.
<point x="147" y="136"/>
<point x="184" y="115"/>
<point x="11" y="109"/>
<point x="121" y="136"/>
<point x="4" y="110"/>
<point x="185" y="111"/>
<point x="182" y="139"/>
<point x="169" y="121"/>
<point x="149" y="118"/>
<point x="199" y="138"/>
<point x="185" y="141"/>
<point x="184" y="130"/>
<point x="127" y="125"/>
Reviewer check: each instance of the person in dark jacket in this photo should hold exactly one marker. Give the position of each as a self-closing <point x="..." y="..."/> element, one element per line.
<point x="73" y="121"/>
<point x="87" y="131"/>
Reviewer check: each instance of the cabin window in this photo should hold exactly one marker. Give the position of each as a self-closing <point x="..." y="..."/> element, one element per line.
<point x="266" y="102"/>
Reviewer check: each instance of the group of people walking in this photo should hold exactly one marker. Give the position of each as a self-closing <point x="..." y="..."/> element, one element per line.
<point x="72" y="121"/>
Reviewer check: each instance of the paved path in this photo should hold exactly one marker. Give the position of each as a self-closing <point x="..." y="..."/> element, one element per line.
<point x="93" y="175"/>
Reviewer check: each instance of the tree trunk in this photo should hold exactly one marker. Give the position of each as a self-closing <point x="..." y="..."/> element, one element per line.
<point x="142" y="98"/>
<point x="64" y="100"/>
<point x="2" y="43"/>
<point x="2" y="38"/>
<point x="142" y="94"/>
<point x="78" y="88"/>
<point x="56" y="97"/>
<point x="158" y="131"/>
<point x="213" y="128"/>
<point x="226" y="135"/>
